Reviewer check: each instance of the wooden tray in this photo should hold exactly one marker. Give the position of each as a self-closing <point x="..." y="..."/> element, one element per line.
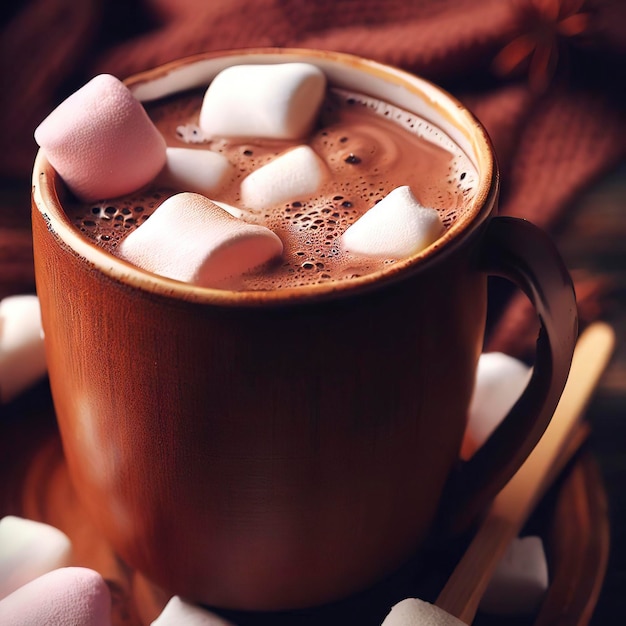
<point x="572" y="520"/>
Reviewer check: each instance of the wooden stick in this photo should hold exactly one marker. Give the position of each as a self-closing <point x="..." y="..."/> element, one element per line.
<point x="512" y="506"/>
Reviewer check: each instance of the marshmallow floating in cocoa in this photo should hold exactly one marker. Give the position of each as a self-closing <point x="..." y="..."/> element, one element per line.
<point x="177" y="612"/>
<point x="22" y="356"/>
<point x="292" y="175"/>
<point x="266" y="101"/>
<point x="191" y="239"/>
<point x="68" y="595"/>
<point x="29" y="549"/>
<point x="199" y="171"/>
<point x="520" y="580"/>
<point x="101" y="141"/>
<point x="394" y="228"/>
<point x="416" y="612"/>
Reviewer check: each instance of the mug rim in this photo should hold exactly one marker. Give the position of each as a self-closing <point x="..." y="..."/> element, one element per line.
<point x="46" y="186"/>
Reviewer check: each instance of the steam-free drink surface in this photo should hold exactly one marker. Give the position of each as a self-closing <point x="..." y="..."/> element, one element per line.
<point x="370" y="148"/>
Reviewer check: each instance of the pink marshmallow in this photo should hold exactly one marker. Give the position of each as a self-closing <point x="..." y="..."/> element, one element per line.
<point x="69" y="595"/>
<point x="101" y="141"/>
<point x="191" y="239"/>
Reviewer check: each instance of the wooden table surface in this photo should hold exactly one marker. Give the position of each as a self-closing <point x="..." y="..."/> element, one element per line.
<point x="579" y="519"/>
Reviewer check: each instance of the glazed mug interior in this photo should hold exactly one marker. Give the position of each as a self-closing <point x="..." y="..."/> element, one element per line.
<point x="282" y="449"/>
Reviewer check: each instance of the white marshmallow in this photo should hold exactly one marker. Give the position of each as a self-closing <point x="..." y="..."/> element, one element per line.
<point x="190" y="238"/>
<point x="266" y="101"/>
<point x="22" y="356"/>
<point x="199" y="171"/>
<point x="69" y="595"/>
<point x="500" y="380"/>
<point x="416" y="612"/>
<point x="292" y="175"/>
<point x="394" y="228"/>
<point x="520" y="580"/>
<point x="29" y="549"/>
<point x="177" y="612"/>
<point x="101" y="141"/>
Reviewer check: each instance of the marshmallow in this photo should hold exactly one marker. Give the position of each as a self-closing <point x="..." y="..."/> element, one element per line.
<point x="520" y="580"/>
<point x="190" y="238"/>
<point x="394" y="228"/>
<point x="101" y="141"/>
<point x="22" y="356"/>
<point x="178" y="612"/>
<point x="199" y="171"/>
<point x="265" y="101"/>
<point x="69" y="595"/>
<point x="500" y="380"/>
<point x="292" y="175"/>
<point x="416" y="612"/>
<point x="29" y="549"/>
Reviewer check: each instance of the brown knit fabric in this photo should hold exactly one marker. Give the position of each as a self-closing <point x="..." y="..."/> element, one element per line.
<point x="543" y="76"/>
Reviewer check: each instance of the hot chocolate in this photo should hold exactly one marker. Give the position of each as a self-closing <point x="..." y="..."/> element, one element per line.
<point x="284" y="448"/>
<point x="369" y="148"/>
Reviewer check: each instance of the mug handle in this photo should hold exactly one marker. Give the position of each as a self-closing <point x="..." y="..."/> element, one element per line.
<point x="517" y="250"/>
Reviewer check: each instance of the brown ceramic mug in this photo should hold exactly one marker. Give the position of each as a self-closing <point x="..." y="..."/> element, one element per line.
<point x="271" y="450"/>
